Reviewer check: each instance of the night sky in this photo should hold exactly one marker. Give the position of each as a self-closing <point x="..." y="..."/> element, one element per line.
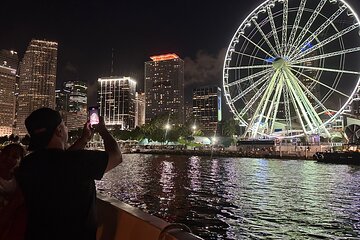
<point x="87" y="31"/>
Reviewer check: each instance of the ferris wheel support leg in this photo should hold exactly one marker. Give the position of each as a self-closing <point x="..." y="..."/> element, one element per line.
<point x="271" y="88"/>
<point x="312" y="112"/>
<point x="278" y="97"/>
<point x="253" y="127"/>
<point x="326" y="110"/>
<point x="273" y="106"/>
<point x="296" y="108"/>
<point x="299" y="103"/>
<point x="287" y="110"/>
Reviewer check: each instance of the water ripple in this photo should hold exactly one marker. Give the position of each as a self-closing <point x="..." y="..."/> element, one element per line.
<point x="233" y="198"/>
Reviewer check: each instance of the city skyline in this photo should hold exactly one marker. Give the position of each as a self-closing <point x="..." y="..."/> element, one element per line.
<point x="87" y="31"/>
<point x="100" y="35"/>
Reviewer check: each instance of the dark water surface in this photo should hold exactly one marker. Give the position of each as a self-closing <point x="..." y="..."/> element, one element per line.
<point x="241" y="198"/>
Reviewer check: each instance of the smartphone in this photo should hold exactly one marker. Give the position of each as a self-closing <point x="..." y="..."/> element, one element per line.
<point x="94" y="115"/>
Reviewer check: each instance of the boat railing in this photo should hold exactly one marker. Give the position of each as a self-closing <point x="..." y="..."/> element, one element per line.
<point x="118" y="220"/>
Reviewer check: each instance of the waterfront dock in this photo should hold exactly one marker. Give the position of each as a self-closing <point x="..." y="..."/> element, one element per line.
<point x="301" y="153"/>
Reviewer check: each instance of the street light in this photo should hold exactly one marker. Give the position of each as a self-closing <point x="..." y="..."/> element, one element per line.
<point x="194" y="129"/>
<point x="167" y="126"/>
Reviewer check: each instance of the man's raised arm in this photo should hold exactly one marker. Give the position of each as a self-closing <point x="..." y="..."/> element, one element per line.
<point x="110" y="144"/>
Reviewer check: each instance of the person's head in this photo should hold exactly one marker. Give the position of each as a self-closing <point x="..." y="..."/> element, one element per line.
<point x="46" y="129"/>
<point x="10" y="155"/>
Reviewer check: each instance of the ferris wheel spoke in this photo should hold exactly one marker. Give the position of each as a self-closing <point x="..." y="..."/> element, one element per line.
<point x="273" y="29"/>
<point x="296" y="25"/>
<point x="284" y="27"/>
<point x="248" y="67"/>
<point x="249" y="89"/>
<point x="314" y="116"/>
<point x="248" y="55"/>
<point x="315" y="34"/>
<point x="274" y="113"/>
<point x="257" y="46"/>
<point x="265" y="38"/>
<point x="310" y="110"/>
<point x="274" y="105"/>
<point x="258" y="74"/>
<point x="260" y="110"/>
<point x="315" y="119"/>
<point x="309" y="23"/>
<point x="313" y="96"/>
<point x="322" y="84"/>
<point x="299" y="101"/>
<point x="326" y="41"/>
<point x="254" y="99"/>
<point x="328" y="55"/>
<point x="296" y="108"/>
<point x="306" y="109"/>
<point x="325" y="69"/>
<point x="287" y="108"/>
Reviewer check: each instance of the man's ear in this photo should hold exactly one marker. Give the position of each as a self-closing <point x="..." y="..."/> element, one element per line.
<point x="58" y="131"/>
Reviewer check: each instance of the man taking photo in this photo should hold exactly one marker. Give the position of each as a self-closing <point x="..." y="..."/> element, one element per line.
<point x="58" y="182"/>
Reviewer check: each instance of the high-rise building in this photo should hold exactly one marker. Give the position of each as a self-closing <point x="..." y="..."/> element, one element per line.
<point x="9" y="58"/>
<point x="8" y="74"/>
<point x="164" y="86"/>
<point x="207" y="107"/>
<point x="61" y="99"/>
<point x="140" y="109"/>
<point x="116" y="99"/>
<point x="37" y="80"/>
<point x="71" y="101"/>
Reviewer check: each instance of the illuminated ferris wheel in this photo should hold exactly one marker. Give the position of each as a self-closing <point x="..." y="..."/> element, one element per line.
<point x="293" y="67"/>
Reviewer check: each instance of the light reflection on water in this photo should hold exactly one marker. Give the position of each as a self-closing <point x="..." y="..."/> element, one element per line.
<point x="233" y="198"/>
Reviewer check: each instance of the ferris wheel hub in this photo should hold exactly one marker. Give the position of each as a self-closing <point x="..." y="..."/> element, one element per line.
<point x="279" y="63"/>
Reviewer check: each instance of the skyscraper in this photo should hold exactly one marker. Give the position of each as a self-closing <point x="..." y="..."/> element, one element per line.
<point x="116" y="98"/>
<point x="37" y="80"/>
<point x="207" y="107"/>
<point x="71" y="101"/>
<point x="8" y="73"/>
<point x="164" y="86"/>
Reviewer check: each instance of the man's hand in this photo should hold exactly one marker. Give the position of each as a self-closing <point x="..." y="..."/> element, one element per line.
<point x="110" y="145"/>
<point x="87" y="133"/>
<point x="100" y="127"/>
